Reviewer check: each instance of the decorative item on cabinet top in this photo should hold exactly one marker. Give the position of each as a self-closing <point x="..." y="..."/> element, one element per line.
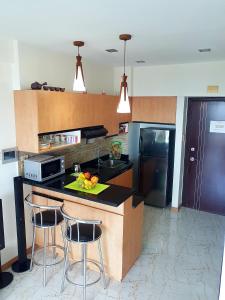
<point x="38" y="86"/>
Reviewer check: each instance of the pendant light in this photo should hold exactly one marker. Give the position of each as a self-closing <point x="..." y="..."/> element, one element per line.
<point x="124" y="104"/>
<point x="78" y="84"/>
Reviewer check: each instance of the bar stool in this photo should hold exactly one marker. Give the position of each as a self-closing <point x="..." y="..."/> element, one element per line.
<point x="82" y="232"/>
<point x="45" y="217"/>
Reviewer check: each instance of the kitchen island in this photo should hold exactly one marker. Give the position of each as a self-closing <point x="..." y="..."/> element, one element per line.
<point x="121" y="220"/>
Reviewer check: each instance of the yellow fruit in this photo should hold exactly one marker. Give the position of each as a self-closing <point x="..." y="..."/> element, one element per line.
<point x="81" y="176"/>
<point x="94" y="179"/>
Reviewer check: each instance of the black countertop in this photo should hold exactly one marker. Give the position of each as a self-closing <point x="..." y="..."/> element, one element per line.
<point x="113" y="196"/>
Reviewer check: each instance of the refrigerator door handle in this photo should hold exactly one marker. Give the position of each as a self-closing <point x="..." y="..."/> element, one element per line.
<point x="140" y="144"/>
<point x="139" y="175"/>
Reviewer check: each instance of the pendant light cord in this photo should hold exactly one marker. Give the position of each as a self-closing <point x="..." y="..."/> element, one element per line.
<point x="124" y="56"/>
<point x="78" y="51"/>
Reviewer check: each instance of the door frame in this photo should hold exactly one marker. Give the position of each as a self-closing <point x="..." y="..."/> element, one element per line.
<point x="186" y="152"/>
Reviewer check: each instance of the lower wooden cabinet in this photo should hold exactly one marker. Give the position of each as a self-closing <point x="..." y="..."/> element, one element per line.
<point x="125" y="179"/>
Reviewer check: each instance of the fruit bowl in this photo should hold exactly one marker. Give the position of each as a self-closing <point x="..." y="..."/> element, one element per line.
<point x="87" y="181"/>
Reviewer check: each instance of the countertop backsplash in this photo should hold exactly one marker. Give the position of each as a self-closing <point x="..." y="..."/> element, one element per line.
<point x="81" y="152"/>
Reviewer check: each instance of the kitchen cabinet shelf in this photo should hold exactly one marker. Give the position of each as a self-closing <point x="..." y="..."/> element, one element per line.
<point x="55" y="148"/>
<point x="64" y="140"/>
<point x="39" y="112"/>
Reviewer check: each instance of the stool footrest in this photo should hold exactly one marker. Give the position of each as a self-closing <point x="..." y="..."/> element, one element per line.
<point x="81" y="261"/>
<point x="50" y="264"/>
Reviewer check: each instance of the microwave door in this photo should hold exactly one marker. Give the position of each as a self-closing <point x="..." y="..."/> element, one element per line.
<point x="50" y="169"/>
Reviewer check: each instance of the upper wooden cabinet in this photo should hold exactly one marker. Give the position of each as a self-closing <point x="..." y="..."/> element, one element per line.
<point x="39" y="112"/>
<point x="154" y="109"/>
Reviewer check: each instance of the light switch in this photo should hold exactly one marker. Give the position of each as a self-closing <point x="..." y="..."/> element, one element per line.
<point x="9" y="155"/>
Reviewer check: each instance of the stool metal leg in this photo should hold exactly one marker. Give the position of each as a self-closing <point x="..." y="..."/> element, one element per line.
<point x="53" y="242"/>
<point x="84" y="255"/>
<point x="101" y="263"/>
<point x="62" y="231"/>
<point x="65" y="263"/>
<point x="71" y="251"/>
<point x="44" y="258"/>
<point x="33" y="244"/>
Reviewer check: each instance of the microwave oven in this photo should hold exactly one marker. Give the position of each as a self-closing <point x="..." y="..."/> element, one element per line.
<point x="43" y="167"/>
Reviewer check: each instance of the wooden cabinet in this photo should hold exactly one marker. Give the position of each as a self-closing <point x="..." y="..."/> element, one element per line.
<point x="39" y="112"/>
<point x="124" y="179"/>
<point x="106" y="113"/>
<point x="154" y="109"/>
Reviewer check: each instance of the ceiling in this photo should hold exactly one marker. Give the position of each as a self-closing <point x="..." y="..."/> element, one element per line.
<point x="163" y="31"/>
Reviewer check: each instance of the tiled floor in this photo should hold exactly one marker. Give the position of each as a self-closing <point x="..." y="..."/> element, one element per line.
<point x="181" y="260"/>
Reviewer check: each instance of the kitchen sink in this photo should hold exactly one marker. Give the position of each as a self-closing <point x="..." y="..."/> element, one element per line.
<point x="111" y="163"/>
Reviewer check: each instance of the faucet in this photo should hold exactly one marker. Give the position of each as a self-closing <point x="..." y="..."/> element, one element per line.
<point x="99" y="150"/>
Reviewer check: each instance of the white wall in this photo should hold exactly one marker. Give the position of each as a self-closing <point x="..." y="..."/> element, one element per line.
<point x="7" y="139"/>
<point x="39" y="64"/>
<point x="175" y="80"/>
<point x="98" y="78"/>
<point x="179" y="153"/>
<point x="179" y="80"/>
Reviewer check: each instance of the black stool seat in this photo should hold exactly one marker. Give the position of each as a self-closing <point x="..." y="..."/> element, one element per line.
<point x="85" y="233"/>
<point x="48" y="218"/>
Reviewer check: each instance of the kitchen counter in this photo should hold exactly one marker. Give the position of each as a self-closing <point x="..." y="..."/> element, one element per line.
<point x="114" y="195"/>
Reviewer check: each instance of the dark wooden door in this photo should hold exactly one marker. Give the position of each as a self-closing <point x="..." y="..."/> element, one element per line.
<point x="204" y="172"/>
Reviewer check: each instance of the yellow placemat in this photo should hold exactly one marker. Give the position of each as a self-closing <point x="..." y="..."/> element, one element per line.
<point x="96" y="190"/>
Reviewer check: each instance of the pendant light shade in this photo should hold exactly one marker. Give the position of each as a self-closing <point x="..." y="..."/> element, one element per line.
<point x="124" y="104"/>
<point x="78" y="84"/>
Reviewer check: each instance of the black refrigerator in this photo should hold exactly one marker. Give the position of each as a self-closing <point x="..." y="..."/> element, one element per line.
<point x="155" y="166"/>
